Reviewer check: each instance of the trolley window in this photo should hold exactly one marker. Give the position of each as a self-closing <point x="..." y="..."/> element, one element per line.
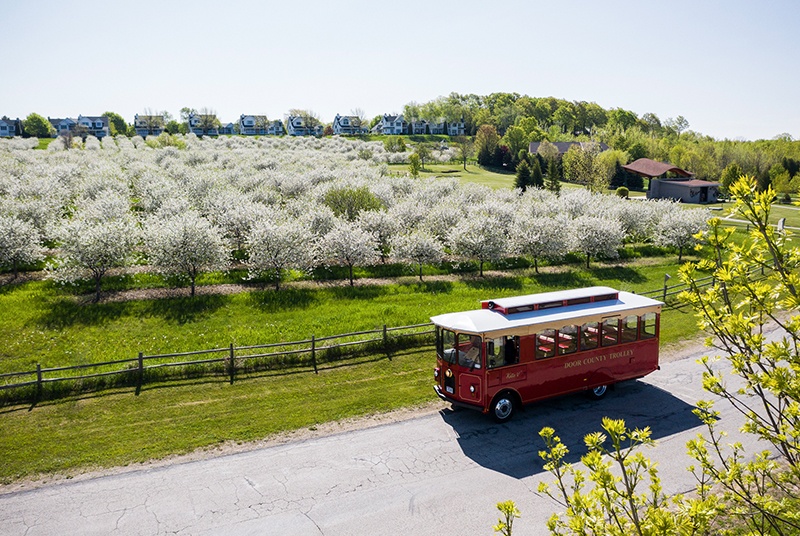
<point x="546" y="344"/>
<point x="470" y="351"/>
<point x="648" y="325"/>
<point x="610" y="330"/>
<point x="630" y="328"/>
<point x="567" y="340"/>
<point x="502" y="351"/>
<point x="589" y="336"/>
<point x="447" y="345"/>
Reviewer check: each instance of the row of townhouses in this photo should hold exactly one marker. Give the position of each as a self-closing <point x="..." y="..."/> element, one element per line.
<point x="248" y="125"/>
<point x="395" y="124"/>
<point x="90" y="125"/>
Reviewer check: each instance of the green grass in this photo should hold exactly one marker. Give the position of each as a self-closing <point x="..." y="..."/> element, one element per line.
<point x="778" y="211"/>
<point x="45" y="142"/>
<point x="45" y="323"/>
<point x="487" y="177"/>
<point x="119" y="428"/>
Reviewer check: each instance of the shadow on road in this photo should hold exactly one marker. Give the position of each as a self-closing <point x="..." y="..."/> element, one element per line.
<point x="513" y="448"/>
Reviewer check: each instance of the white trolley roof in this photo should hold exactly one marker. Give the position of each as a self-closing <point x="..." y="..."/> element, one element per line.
<point x="541" y="311"/>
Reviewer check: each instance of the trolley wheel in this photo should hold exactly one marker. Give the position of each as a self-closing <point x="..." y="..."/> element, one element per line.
<point x="598" y="392"/>
<point x="503" y="407"/>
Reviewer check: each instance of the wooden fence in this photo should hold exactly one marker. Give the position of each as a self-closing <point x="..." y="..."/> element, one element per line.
<point x="307" y="354"/>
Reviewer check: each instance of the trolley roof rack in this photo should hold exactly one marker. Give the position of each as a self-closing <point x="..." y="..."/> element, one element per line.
<point x="550" y="300"/>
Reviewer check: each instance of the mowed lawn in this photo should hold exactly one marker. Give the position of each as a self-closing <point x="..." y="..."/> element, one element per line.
<point x="473" y="173"/>
<point x="45" y="324"/>
<point x="42" y="323"/>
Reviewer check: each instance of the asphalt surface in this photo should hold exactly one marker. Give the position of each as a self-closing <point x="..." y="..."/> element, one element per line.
<point x="437" y="474"/>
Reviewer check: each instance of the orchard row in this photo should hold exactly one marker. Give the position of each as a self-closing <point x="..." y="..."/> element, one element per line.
<point x="289" y="204"/>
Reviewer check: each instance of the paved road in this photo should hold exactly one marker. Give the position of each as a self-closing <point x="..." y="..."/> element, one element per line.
<point x="438" y="474"/>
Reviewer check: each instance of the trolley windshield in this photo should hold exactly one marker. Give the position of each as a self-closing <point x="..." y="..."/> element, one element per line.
<point x="458" y="348"/>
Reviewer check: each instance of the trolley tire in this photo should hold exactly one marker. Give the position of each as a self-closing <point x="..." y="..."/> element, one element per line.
<point x="598" y="392"/>
<point x="504" y="406"/>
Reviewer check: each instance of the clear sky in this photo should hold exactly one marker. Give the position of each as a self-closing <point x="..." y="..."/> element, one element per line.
<point x="731" y="68"/>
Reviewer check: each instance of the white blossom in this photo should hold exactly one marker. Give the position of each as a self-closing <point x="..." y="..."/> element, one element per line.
<point x="418" y="247"/>
<point x="348" y="245"/>
<point x="678" y="227"/>
<point x="20" y="243"/>
<point x="277" y="247"/>
<point x="100" y="237"/>
<point x="540" y="237"/>
<point x="479" y="237"/>
<point x="186" y="245"/>
<point x="596" y="237"/>
<point x="381" y="226"/>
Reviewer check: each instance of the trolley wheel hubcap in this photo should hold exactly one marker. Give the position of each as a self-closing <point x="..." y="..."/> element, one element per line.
<point x="503" y="408"/>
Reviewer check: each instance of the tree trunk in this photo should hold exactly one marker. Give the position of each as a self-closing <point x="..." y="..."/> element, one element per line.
<point x="481" y="268"/>
<point x="97" y="288"/>
<point x="587" y="260"/>
<point x="536" y="265"/>
<point x="420" y="272"/>
<point x="680" y="253"/>
<point x="351" y="275"/>
<point x="192" y="294"/>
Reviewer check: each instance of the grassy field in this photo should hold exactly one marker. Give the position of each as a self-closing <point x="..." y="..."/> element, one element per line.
<point x="44" y="323"/>
<point x="473" y="173"/>
<point x="119" y="428"/>
<point x="44" y="143"/>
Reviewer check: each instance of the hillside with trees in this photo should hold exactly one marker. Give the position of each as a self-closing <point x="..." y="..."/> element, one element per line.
<point x="505" y="123"/>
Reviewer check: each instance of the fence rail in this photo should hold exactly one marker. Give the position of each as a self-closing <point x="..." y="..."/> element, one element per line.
<point x="230" y="361"/>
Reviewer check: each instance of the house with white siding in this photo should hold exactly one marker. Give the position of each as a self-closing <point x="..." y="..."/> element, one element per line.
<point x="390" y="125"/>
<point x="259" y="125"/>
<point x="348" y="125"/>
<point x="62" y="126"/>
<point x="451" y="128"/>
<point x="296" y="127"/>
<point x="10" y="127"/>
<point x="418" y="127"/>
<point x="95" y="125"/>
<point x="203" y="125"/>
<point x="148" y="125"/>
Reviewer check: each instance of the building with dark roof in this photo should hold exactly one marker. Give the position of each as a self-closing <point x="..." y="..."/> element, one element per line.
<point x="671" y="182"/>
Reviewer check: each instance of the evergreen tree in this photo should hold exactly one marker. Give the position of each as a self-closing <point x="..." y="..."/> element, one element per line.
<point x="524" y="177"/>
<point x="537" y="180"/>
<point x="553" y="182"/>
<point x="618" y="178"/>
<point x="633" y="180"/>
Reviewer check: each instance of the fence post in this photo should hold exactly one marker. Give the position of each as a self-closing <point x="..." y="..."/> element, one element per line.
<point x="314" y="354"/>
<point x="232" y="365"/>
<point x="666" y="278"/>
<point x="141" y="373"/>
<point x="386" y="343"/>
<point x="38" y="381"/>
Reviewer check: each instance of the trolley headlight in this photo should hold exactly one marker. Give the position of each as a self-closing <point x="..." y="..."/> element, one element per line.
<point x="436" y="372"/>
<point x="472" y="389"/>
